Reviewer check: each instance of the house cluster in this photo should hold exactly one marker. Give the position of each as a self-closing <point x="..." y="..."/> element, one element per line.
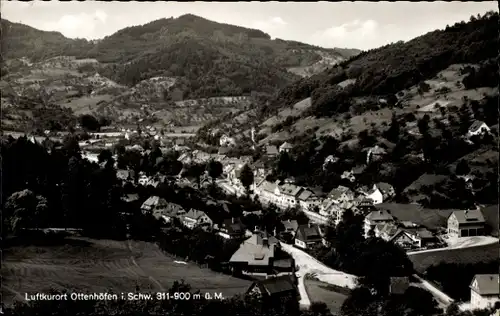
<point x="225" y="226"/>
<point x="320" y="206"/>
<point x="412" y="236"/>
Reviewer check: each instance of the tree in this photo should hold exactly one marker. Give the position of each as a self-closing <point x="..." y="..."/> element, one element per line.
<point x="89" y="122"/>
<point x="394" y="132"/>
<point x="214" y="169"/>
<point x="24" y="209"/>
<point x="462" y="168"/>
<point x="105" y="156"/>
<point x="246" y="177"/>
<point x="71" y="146"/>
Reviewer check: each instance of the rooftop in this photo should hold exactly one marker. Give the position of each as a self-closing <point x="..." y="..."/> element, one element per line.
<point x="486" y="284"/>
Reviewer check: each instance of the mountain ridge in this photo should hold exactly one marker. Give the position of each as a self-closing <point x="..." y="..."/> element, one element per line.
<point x="153" y="49"/>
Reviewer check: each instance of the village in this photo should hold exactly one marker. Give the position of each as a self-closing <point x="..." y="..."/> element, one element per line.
<point x="265" y="256"/>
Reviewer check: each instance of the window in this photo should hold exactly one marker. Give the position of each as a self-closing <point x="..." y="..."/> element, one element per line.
<point x="465" y="233"/>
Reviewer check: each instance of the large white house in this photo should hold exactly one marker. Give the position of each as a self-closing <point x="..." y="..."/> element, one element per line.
<point x="282" y="195"/>
<point x="478" y="128"/>
<point x="484" y="291"/>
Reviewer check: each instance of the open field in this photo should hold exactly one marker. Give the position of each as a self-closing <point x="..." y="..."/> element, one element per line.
<point x="89" y="265"/>
<point x="483" y="253"/>
<point x="333" y="296"/>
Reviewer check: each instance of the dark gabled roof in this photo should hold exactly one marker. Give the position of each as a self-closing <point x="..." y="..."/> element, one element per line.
<point x="271" y="150"/>
<point x="308" y="233"/>
<point x="194" y="214"/>
<point x="469" y="216"/>
<point x="292" y="224"/>
<point x="380" y="215"/>
<point x="487" y="284"/>
<point x="259" y="237"/>
<point x="273" y="286"/>
<point x="475" y="126"/>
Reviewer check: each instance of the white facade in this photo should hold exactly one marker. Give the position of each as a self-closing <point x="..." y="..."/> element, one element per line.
<point x="480" y="130"/>
<point x="481" y="302"/>
<point x="300" y="244"/>
<point x="376" y="196"/>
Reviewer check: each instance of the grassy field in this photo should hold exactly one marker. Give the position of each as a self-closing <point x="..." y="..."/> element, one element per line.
<point x="89" y="265"/>
<point x="333" y="296"/>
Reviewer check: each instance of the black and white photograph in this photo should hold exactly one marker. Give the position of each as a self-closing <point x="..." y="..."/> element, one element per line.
<point x="249" y="158"/>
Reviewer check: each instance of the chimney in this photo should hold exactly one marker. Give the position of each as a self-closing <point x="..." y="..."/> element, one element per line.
<point x="265" y="242"/>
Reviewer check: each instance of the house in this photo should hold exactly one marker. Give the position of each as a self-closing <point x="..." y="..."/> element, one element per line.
<point x="398" y="285"/>
<point x="484" y="291"/>
<point x="125" y="175"/>
<point x="386" y="230"/>
<point x="340" y="194"/>
<point x="230" y="228"/>
<point x="285" y="147"/>
<point x="130" y="198"/>
<point x="307" y="236"/>
<point x="466" y="223"/>
<point x="308" y="200"/>
<point x="259" y="169"/>
<point x="478" y="128"/>
<point x="271" y="151"/>
<point x="256" y="255"/>
<point x="328" y="160"/>
<point x="386" y="189"/>
<point x="290" y="226"/>
<point x="195" y="218"/>
<point x="410" y="239"/>
<point x="153" y="203"/>
<point x="226" y="141"/>
<point x="375" y="195"/>
<point x="348" y="175"/>
<point x="375" y="153"/>
<point x="329" y="208"/>
<point x="274" y="288"/>
<point x="282" y="195"/>
<point x="377" y="217"/>
<point x="167" y="213"/>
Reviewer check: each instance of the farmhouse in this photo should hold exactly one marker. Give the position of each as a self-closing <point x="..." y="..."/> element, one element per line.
<point x="274" y="288"/>
<point x="195" y="218"/>
<point x="307" y="236"/>
<point x="290" y="226"/>
<point x="340" y="194"/>
<point x="153" y="203"/>
<point x="230" y="228"/>
<point x="271" y="151"/>
<point x="308" y="200"/>
<point x="168" y="212"/>
<point x="466" y="223"/>
<point x="478" y="128"/>
<point x="377" y="217"/>
<point x="485" y="291"/>
<point x="410" y="239"/>
<point x="259" y="254"/>
<point x="286" y="147"/>
<point x="282" y="195"/>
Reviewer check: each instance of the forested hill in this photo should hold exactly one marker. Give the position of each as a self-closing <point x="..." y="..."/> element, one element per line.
<point x="389" y="69"/>
<point x="211" y="58"/>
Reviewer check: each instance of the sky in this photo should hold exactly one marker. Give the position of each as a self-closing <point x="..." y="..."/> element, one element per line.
<point x="361" y="25"/>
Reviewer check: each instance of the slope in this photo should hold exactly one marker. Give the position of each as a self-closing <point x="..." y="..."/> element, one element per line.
<point x="209" y="58"/>
<point x="416" y="100"/>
